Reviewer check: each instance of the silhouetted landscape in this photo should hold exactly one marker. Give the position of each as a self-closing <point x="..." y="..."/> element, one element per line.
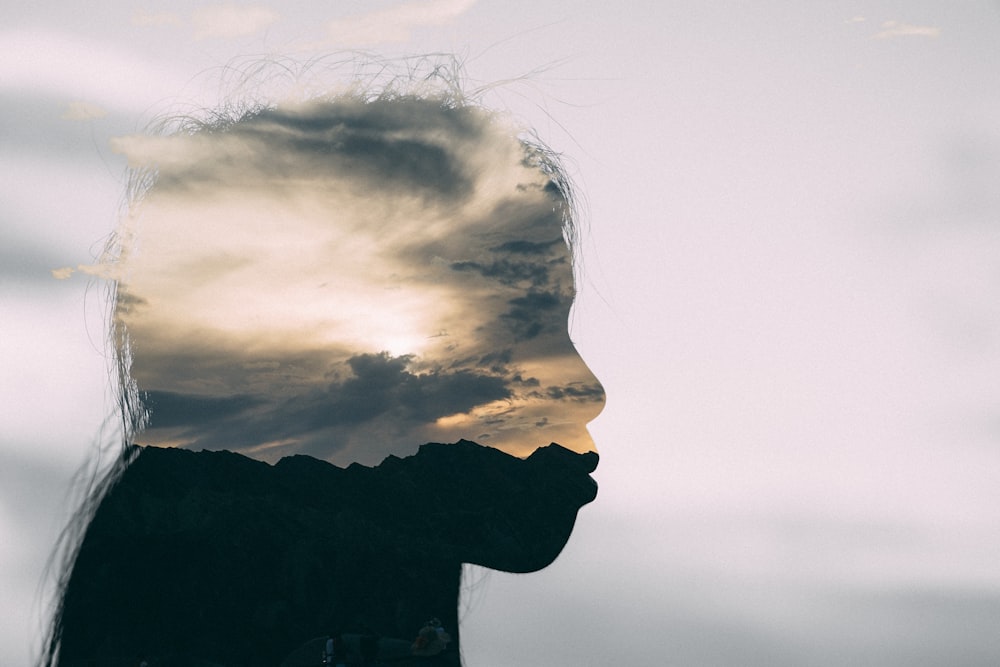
<point x="215" y="558"/>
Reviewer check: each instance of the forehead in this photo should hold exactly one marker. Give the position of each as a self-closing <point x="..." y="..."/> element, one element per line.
<point x="388" y="217"/>
<point x="349" y="282"/>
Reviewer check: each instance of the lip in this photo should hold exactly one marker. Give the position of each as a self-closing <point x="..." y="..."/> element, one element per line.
<point x="589" y="461"/>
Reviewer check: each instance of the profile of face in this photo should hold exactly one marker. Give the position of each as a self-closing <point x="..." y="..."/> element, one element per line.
<point x="351" y="280"/>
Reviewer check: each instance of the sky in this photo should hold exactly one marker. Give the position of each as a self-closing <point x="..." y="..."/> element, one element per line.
<point x="790" y="275"/>
<point x="350" y="280"/>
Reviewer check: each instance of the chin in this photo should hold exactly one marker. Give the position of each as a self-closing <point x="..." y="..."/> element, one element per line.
<point x="525" y="509"/>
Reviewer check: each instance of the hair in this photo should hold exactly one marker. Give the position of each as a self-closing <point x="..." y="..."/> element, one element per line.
<point x="256" y="86"/>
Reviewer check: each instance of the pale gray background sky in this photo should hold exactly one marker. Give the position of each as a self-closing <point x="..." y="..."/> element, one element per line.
<point x="793" y="272"/>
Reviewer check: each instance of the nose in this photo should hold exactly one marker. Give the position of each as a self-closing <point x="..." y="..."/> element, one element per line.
<point x="590" y="460"/>
<point x="588" y="396"/>
<point x="590" y="388"/>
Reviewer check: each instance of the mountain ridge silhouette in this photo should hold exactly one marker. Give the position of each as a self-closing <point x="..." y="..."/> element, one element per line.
<point x="223" y="558"/>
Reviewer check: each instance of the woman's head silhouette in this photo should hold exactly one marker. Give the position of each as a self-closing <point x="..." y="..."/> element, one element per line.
<point x="350" y="279"/>
<point x="347" y="279"/>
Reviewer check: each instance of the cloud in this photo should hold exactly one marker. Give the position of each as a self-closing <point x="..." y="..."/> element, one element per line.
<point x="373" y="276"/>
<point x="366" y="143"/>
<point x="891" y="29"/>
<point x="380" y="386"/>
<point x="507" y="272"/>
<point x="125" y="299"/>
<point x="168" y="409"/>
<point x="100" y="270"/>
<point x="396" y="23"/>
<point x="80" y="110"/>
<point x="383" y="383"/>
<point x="577" y="391"/>
<point x="228" y="21"/>
<point x="528" y="247"/>
<point x="534" y="313"/>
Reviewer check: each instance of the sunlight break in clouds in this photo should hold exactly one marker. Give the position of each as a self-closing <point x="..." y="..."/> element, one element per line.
<point x="396" y="23"/>
<point x="231" y="21"/>
<point x="896" y="29"/>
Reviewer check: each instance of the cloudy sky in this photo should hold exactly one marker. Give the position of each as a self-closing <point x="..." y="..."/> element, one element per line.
<point x="791" y="296"/>
<point x="351" y="280"/>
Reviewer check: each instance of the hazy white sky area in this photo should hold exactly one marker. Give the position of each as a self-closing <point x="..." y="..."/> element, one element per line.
<point x="791" y="297"/>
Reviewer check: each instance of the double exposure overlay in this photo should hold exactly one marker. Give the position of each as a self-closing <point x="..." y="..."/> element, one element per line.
<point x="350" y="280"/>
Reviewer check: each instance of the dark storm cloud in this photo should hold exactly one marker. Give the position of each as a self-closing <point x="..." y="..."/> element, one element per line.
<point x="518" y="239"/>
<point x="388" y="147"/>
<point x="497" y="362"/>
<point x="401" y="115"/>
<point x="526" y="307"/>
<point x="532" y="222"/>
<point x="214" y="361"/>
<point x="533" y="313"/>
<point x="125" y="300"/>
<point x="508" y="272"/>
<point x="168" y="409"/>
<point x="396" y="163"/>
<point x="528" y="247"/>
<point x="517" y="378"/>
<point x="583" y="393"/>
<point x="383" y="383"/>
<point x="380" y="385"/>
<point x="533" y="265"/>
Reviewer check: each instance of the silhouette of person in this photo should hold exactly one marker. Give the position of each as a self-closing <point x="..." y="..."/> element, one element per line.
<point x="306" y="294"/>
